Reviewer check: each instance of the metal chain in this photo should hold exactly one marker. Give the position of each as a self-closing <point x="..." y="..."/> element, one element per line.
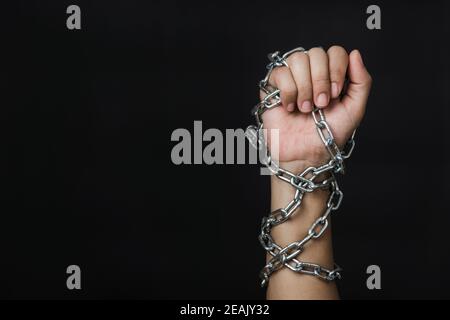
<point x="303" y="183"/>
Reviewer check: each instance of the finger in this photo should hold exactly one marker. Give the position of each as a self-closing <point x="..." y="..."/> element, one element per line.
<point x="282" y="79"/>
<point x="299" y="66"/>
<point x="358" y="89"/>
<point x="337" y="63"/>
<point x="320" y="76"/>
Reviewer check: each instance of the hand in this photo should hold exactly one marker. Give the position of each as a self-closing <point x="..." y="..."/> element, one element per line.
<point x="316" y="78"/>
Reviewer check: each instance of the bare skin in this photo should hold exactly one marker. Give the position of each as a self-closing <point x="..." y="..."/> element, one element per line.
<point x="316" y="78"/>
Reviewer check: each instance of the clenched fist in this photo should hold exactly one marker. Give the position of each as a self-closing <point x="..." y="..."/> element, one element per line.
<point x="316" y="78"/>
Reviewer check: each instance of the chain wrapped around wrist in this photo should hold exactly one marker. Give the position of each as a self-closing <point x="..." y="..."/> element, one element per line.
<point x="303" y="182"/>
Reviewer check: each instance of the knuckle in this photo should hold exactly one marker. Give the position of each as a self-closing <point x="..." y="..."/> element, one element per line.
<point x="337" y="50"/>
<point x="297" y="58"/>
<point x="316" y="50"/>
<point x="320" y="85"/>
<point x="321" y="81"/>
<point x="279" y="73"/>
<point x="337" y="74"/>
<point x="288" y="90"/>
<point x="276" y="77"/>
<point x="305" y="90"/>
<point x="285" y="82"/>
<point x="275" y="74"/>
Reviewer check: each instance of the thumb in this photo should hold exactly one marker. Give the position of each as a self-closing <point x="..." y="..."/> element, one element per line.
<point x="358" y="89"/>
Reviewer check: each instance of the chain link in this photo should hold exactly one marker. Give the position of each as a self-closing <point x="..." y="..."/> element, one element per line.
<point x="304" y="182"/>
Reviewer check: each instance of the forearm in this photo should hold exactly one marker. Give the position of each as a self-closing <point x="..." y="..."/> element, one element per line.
<point x="284" y="283"/>
<point x="314" y="138"/>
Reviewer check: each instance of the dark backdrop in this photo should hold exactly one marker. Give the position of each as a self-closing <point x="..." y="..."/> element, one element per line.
<point x="86" y="121"/>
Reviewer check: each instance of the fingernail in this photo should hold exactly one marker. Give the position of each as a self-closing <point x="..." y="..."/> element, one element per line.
<point x="322" y="100"/>
<point x="306" y="106"/>
<point x="334" y="89"/>
<point x="291" y="107"/>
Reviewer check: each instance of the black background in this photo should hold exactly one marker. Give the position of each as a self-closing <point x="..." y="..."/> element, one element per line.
<point x="87" y="117"/>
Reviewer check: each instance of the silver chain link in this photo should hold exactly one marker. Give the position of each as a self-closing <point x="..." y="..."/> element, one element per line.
<point x="304" y="182"/>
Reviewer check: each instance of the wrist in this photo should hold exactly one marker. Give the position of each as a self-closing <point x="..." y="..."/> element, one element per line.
<point x="296" y="227"/>
<point x="312" y="207"/>
<point x="283" y="191"/>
